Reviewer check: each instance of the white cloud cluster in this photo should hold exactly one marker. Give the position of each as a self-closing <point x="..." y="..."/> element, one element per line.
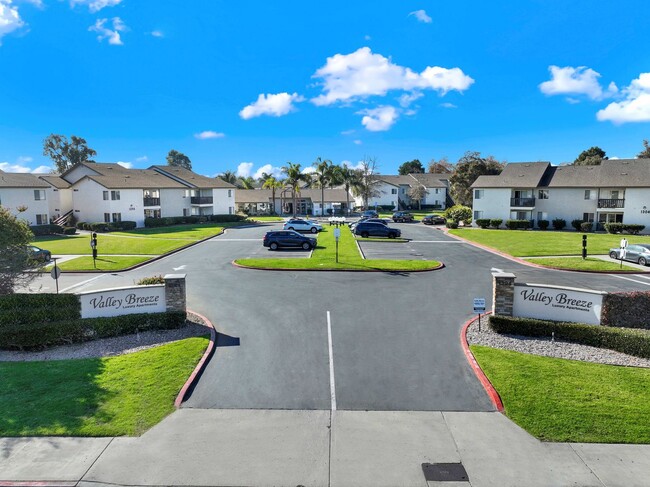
<point x="104" y="32"/>
<point x="142" y="159"/>
<point x="379" y="119"/>
<point x="209" y="134"/>
<point x="157" y="33"/>
<point x="95" y="5"/>
<point x="350" y="165"/>
<point x="274" y="105"/>
<point x="268" y="169"/>
<point x="422" y="16"/>
<point x="244" y="169"/>
<point x="576" y="81"/>
<point x="634" y="108"/>
<point x="7" y="167"/>
<point x="9" y="18"/>
<point x="128" y="165"/>
<point x="348" y="77"/>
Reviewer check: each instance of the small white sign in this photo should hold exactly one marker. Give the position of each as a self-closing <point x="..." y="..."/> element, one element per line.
<point x="479" y="305"/>
<point x="557" y="304"/>
<point x="123" y="301"/>
<point x="337" y="233"/>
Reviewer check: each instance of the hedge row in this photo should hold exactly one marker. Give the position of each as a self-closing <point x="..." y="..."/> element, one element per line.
<point x="176" y="220"/>
<point x="517" y="224"/>
<point x="42" y="335"/>
<point x="16" y="309"/>
<point x="632" y="229"/>
<point x="107" y="227"/>
<point x="625" y="340"/>
<point x="629" y="310"/>
<point x="51" y="229"/>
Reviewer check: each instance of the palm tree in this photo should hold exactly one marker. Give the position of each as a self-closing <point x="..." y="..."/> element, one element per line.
<point x="323" y="177"/>
<point x="350" y="180"/>
<point x="246" y="183"/>
<point x="273" y="184"/>
<point x="229" y="177"/>
<point x="294" y="177"/>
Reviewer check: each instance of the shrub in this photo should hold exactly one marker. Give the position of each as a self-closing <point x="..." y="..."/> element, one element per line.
<point x="625" y="340"/>
<point x="586" y="226"/>
<point x="459" y="213"/>
<point x="517" y="224"/>
<point x="451" y="224"/>
<point x="576" y="224"/>
<point x="613" y="227"/>
<point x="483" y="222"/>
<point x="125" y="225"/>
<point x="633" y="229"/>
<point x="177" y="220"/>
<point x="99" y="227"/>
<point x="628" y="309"/>
<point x="24" y="308"/>
<point x="81" y="225"/>
<point x="69" y="230"/>
<point x="496" y="222"/>
<point x="543" y="224"/>
<point x="559" y="224"/>
<point x="145" y="281"/>
<point x="51" y="229"/>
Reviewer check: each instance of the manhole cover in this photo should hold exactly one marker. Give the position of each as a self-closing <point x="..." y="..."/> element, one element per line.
<point x="450" y="472"/>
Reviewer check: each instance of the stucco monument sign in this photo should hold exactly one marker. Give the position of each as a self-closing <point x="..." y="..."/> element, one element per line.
<point x="123" y="301"/>
<point x="547" y="302"/>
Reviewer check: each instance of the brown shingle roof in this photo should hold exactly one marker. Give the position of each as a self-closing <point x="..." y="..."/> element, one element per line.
<point x="136" y="179"/>
<point x="264" y="195"/>
<point x="191" y="178"/>
<point x="515" y="175"/>
<point x="56" y="181"/>
<point x="21" y="180"/>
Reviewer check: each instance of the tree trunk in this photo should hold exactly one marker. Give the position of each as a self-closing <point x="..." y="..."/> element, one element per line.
<point x="322" y="201"/>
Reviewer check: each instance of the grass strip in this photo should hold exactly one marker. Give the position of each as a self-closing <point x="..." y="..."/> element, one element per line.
<point x="324" y="258"/>
<point x="527" y="243"/>
<point x="578" y="264"/>
<point x="567" y="400"/>
<point x="103" y="263"/>
<point x="115" y="396"/>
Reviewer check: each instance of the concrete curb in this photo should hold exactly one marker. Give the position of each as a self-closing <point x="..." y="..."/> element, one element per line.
<point x="43" y="483"/>
<point x="529" y="263"/>
<point x="485" y="382"/>
<point x="194" y="376"/>
<point x="284" y="269"/>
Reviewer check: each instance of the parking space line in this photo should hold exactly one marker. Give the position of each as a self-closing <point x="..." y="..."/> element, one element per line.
<point x="437" y="241"/>
<point x="628" y="279"/>
<point x="642" y="277"/>
<point x="331" y="356"/>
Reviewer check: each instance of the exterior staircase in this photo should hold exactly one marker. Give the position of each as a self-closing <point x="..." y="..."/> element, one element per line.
<point x="63" y="218"/>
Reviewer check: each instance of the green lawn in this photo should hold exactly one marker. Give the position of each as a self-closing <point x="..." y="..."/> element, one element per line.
<point x="113" y="396"/>
<point x="324" y="255"/>
<point x="527" y="243"/>
<point x="577" y="263"/>
<point x="567" y="400"/>
<point x="266" y="218"/>
<point x="107" y="245"/>
<point x="104" y="263"/>
<point x="417" y="215"/>
<point x="188" y="232"/>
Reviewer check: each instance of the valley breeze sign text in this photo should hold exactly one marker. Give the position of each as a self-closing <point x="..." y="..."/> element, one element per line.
<point x="123" y="301"/>
<point x="557" y="303"/>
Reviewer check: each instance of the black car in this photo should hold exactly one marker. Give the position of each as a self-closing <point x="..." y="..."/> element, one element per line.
<point x="402" y="216"/>
<point x="370" y="214"/>
<point x="288" y="238"/>
<point x="639" y="253"/>
<point x="370" y="229"/>
<point x="38" y="254"/>
<point x="433" y="220"/>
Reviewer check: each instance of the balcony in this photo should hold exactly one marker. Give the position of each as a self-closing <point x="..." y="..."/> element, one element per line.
<point x="522" y="202"/>
<point x="201" y="200"/>
<point x="611" y="203"/>
<point x="146" y="201"/>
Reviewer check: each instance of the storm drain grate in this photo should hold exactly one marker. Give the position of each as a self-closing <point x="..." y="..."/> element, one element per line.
<point x="444" y="472"/>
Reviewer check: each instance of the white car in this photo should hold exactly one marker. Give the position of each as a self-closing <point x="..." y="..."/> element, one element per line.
<point x="300" y="225"/>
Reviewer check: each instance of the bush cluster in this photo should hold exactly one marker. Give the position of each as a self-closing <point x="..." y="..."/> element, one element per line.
<point x="576" y="224"/>
<point x="23" y="309"/>
<point x="496" y="222"/>
<point x="176" y="220"/>
<point x="451" y="224"/>
<point x="625" y="340"/>
<point x="69" y="230"/>
<point x="543" y="224"/>
<point x="146" y="281"/>
<point x="632" y="229"/>
<point x="517" y="224"/>
<point x="630" y="309"/>
<point x="483" y="222"/>
<point x="107" y="227"/>
<point x="586" y="227"/>
<point x="559" y="223"/>
<point x="51" y="229"/>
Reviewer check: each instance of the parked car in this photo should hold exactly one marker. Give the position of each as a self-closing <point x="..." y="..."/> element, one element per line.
<point x="372" y="229"/>
<point x="301" y="225"/>
<point x="288" y="238"/>
<point x="370" y="214"/>
<point x="39" y="254"/>
<point x="433" y="220"/>
<point x="639" y="253"/>
<point x="369" y="220"/>
<point x="402" y="216"/>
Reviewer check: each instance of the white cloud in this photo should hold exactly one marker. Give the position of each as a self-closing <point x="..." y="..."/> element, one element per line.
<point x="357" y="142"/>
<point x="209" y="134"/>
<point x="380" y="118"/>
<point x="95" y="5"/>
<point x="634" y="108"/>
<point x="576" y="81"/>
<point x="309" y="170"/>
<point x="422" y="16"/>
<point x="9" y="18"/>
<point x="407" y="98"/>
<point x="268" y="169"/>
<point x="141" y="159"/>
<point x="448" y="105"/>
<point x="7" y="167"/>
<point x="113" y="36"/>
<point x="244" y="169"/>
<point x="274" y="105"/>
<point x="24" y="159"/>
<point x="157" y="33"/>
<point x="347" y="77"/>
<point x="358" y="165"/>
<point x="128" y="165"/>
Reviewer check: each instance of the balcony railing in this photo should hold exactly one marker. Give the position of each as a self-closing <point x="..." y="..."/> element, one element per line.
<point x="611" y="203"/>
<point x="151" y="201"/>
<point x="522" y="202"/>
<point x="201" y="200"/>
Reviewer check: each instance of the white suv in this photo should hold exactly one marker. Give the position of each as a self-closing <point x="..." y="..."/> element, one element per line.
<point x="300" y="225"/>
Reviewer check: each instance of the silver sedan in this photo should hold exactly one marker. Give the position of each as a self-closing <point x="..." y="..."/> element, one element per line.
<point x="639" y="253"/>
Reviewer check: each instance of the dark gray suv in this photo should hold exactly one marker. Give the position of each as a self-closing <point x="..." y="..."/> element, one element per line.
<point x="370" y="229"/>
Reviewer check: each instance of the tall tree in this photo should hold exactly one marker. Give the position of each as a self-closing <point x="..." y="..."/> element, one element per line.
<point x="15" y="262"/>
<point x="229" y="177"/>
<point x="590" y="157"/>
<point x="295" y="176"/>
<point x="443" y="166"/>
<point x="323" y="177"/>
<point x="67" y="153"/>
<point x="411" y="167"/>
<point x="350" y="180"/>
<point x="468" y="168"/>
<point x="247" y="182"/>
<point x="645" y="153"/>
<point x="418" y="193"/>
<point x="273" y="184"/>
<point x="178" y="159"/>
<point x="367" y="180"/>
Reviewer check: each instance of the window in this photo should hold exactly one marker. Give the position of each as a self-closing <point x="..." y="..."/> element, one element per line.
<point x="229" y="193"/>
<point x="39" y="194"/>
<point x="437" y="190"/>
<point x="478" y="194"/>
<point x="478" y="214"/>
<point x="186" y="212"/>
<point x="107" y="217"/>
<point x="614" y="195"/>
<point x="152" y="213"/>
<point x="105" y="195"/>
<point x="117" y="217"/>
<point x="542" y="215"/>
<point x="230" y="208"/>
<point x="543" y="194"/>
<point x="115" y="195"/>
<point x="393" y="191"/>
<point x="41" y="219"/>
<point x="588" y="217"/>
<point x="587" y="194"/>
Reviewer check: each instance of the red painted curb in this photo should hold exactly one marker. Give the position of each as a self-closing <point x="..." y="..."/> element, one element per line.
<point x="485" y="382"/>
<point x="441" y="266"/>
<point x="200" y="366"/>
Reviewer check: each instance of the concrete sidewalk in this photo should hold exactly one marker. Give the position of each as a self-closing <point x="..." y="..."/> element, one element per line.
<point x="322" y="448"/>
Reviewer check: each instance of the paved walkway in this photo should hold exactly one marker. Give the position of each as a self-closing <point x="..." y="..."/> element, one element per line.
<point x="320" y="448"/>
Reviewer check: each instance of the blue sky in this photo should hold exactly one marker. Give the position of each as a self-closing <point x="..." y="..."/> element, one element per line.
<point x="250" y="85"/>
